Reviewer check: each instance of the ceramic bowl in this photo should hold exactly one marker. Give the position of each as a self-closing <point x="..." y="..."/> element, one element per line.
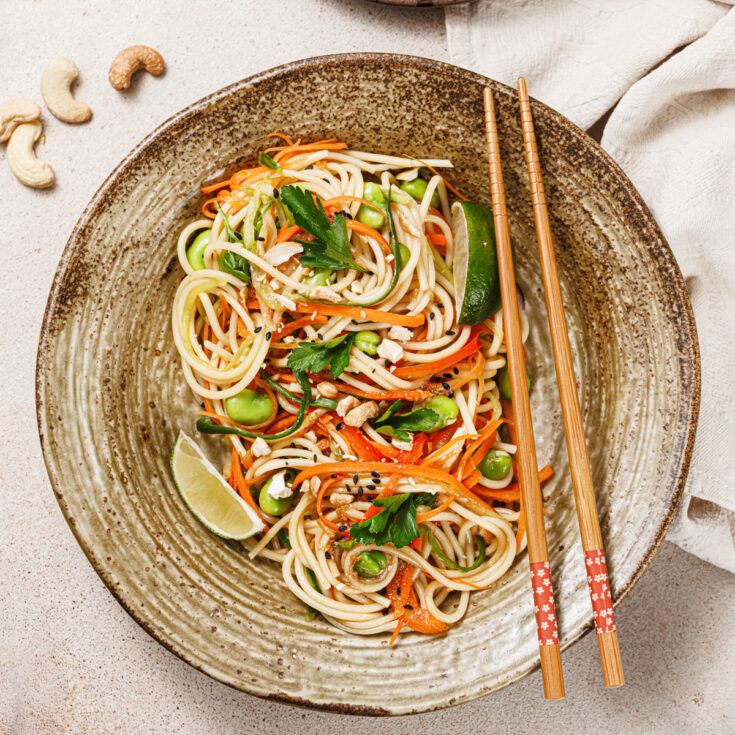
<point x="111" y="396"/>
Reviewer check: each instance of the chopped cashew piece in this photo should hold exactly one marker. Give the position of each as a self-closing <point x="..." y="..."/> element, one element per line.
<point x="346" y="404"/>
<point x="313" y="485"/>
<point x="390" y="350"/>
<point x="260" y="447"/>
<point x="325" y="294"/>
<point x="340" y="499"/>
<point x="14" y="113"/>
<point x="56" y="82"/>
<point x="130" y="60"/>
<point x="327" y="390"/>
<point x="279" y="254"/>
<point x="400" y="334"/>
<point x="278" y="487"/>
<point x="358" y="416"/>
<point x="22" y="160"/>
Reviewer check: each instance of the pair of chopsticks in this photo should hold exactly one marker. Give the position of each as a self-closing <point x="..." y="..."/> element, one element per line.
<point x="589" y="524"/>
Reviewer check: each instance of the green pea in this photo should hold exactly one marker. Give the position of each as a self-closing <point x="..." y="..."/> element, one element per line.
<point x="446" y="408"/>
<point x="417" y="188"/>
<point x="404" y="255"/>
<point x="370" y="563"/>
<point x="270" y="505"/>
<point x="195" y="251"/>
<point x="503" y="381"/>
<point x="496" y="464"/>
<point x="346" y="544"/>
<point x="320" y="277"/>
<point x="367" y="215"/>
<point x="367" y="342"/>
<point x="249" y="407"/>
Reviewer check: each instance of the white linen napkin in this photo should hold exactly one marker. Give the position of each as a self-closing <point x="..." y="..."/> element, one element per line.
<point x="673" y="133"/>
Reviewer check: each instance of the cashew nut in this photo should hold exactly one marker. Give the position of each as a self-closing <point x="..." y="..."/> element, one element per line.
<point x="15" y="112"/>
<point x="22" y="160"/>
<point x="128" y="61"/>
<point x="56" y="82"/>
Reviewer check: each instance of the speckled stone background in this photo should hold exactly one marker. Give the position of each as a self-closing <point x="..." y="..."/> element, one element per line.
<point x="71" y="660"/>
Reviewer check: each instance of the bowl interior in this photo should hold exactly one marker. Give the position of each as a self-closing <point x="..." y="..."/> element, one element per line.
<point x="111" y="397"/>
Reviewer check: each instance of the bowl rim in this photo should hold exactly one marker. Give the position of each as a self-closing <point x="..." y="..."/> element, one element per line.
<point x="65" y="266"/>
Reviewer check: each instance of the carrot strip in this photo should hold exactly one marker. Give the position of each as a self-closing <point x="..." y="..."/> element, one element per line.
<point x="396" y="631"/>
<point x="486" y="433"/>
<point x="434" y="456"/>
<point x="282" y="136"/>
<point x="436" y="238"/>
<point x="385" y="395"/>
<point x="296" y="324"/>
<point x="437" y="366"/>
<point x="320" y="497"/>
<point x="287" y="233"/>
<point x="367" y="231"/>
<point x="359" y="312"/>
<point x="476" y="371"/>
<point x="434" y="171"/>
<point x="423" y="517"/>
<point x="242" y="487"/>
<point x="414" y="470"/>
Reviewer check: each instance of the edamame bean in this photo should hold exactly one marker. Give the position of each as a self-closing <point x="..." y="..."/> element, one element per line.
<point x="404" y="255"/>
<point x="367" y="342"/>
<point x="417" y="188"/>
<point x="370" y="563"/>
<point x="320" y="277"/>
<point x="249" y="407"/>
<point x="503" y="381"/>
<point x="367" y="215"/>
<point x="270" y="505"/>
<point x="496" y="464"/>
<point x="195" y="251"/>
<point x="445" y="408"/>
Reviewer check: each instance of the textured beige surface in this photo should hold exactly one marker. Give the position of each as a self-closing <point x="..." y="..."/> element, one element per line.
<point x="72" y="661"/>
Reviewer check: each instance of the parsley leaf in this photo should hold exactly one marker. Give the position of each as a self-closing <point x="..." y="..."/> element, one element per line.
<point x="315" y="356"/>
<point x="391" y="423"/>
<point x="395" y="523"/>
<point x="331" y="249"/>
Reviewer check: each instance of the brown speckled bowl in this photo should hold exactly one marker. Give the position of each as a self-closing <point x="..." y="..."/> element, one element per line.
<point x="111" y="396"/>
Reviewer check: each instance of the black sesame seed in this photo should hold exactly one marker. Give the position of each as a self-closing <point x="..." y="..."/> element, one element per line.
<point x="356" y="479"/>
<point x="266" y="360"/>
<point x="314" y="457"/>
<point x="398" y="591"/>
<point x="359" y="492"/>
<point x="384" y="612"/>
<point x="262" y="239"/>
<point x="327" y="555"/>
<point x="342" y="528"/>
<point x="451" y="332"/>
<point x="258" y="329"/>
<point x="320" y="337"/>
<point x="309" y="167"/>
<point x="408" y="607"/>
<point x="293" y="445"/>
<point x="377" y="482"/>
<point x="334" y="477"/>
<point x="445" y="386"/>
<point x="370" y="487"/>
<point x="386" y="362"/>
<point x="451" y="394"/>
<point x="339" y="426"/>
<point x="275" y="193"/>
<point x="431" y="315"/>
<point x="375" y="473"/>
<point x="326" y="180"/>
<point x="347" y="487"/>
<point x="456" y="371"/>
<point x="268" y="335"/>
<point x="447" y="375"/>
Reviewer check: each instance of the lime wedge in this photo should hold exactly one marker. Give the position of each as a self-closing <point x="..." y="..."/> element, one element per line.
<point x="208" y="496"/>
<point x="476" y="279"/>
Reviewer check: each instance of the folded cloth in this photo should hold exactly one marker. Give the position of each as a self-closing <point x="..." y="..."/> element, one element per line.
<point x="673" y="133"/>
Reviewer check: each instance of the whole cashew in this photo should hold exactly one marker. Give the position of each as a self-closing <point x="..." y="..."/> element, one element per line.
<point x="15" y="112"/>
<point x="56" y="82"/>
<point x="128" y="61"/>
<point x="22" y="159"/>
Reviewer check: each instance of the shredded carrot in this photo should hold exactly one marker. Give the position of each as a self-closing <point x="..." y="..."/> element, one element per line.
<point x="282" y="136"/>
<point x="423" y="517"/>
<point x="287" y="233"/>
<point x="320" y="497"/>
<point x="476" y="371"/>
<point x="399" y="625"/>
<point x="414" y="470"/>
<point x="367" y="231"/>
<point x="436" y="238"/>
<point x="434" y="456"/>
<point x="425" y="369"/>
<point x="242" y="486"/>
<point x="296" y="324"/>
<point x="385" y="395"/>
<point x="359" y="312"/>
<point x="488" y="432"/>
<point x="434" y="171"/>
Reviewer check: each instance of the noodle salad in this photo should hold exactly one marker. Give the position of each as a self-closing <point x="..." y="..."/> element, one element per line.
<point x="340" y="322"/>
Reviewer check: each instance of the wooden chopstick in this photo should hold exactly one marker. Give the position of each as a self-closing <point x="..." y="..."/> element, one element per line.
<point x="584" y="494"/>
<point x="526" y="456"/>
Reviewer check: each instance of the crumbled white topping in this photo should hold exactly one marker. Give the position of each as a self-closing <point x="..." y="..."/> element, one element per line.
<point x="346" y="404"/>
<point x="358" y="416"/>
<point x="289" y="339"/>
<point x="260" y="447"/>
<point x="400" y="334"/>
<point x="281" y="253"/>
<point x="284" y="301"/>
<point x="390" y="350"/>
<point x="325" y="294"/>
<point x="278" y="487"/>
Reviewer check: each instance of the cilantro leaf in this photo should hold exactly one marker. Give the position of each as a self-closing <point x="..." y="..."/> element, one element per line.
<point x="391" y="423"/>
<point x="315" y="356"/>
<point x="395" y="523"/>
<point x="332" y="245"/>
